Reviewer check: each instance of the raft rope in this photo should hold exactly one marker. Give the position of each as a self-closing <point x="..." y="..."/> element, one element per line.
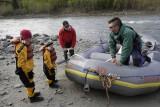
<point x="105" y="79"/>
<point x="107" y="83"/>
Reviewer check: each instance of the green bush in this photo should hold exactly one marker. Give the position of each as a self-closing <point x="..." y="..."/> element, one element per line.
<point x="113" y="4"/>
<point x="41" y="6"/>
<point x="5" y="9"/>
<point x="53" y="6"/>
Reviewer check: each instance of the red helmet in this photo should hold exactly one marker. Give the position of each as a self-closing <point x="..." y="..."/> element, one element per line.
<point x="25" y="34"/>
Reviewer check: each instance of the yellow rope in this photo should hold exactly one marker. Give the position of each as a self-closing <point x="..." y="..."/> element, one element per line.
<point x="107" y="83"/>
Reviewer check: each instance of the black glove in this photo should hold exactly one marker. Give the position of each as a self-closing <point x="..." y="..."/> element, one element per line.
<point x="16" y="72"/>
<point x="30" y="75"/>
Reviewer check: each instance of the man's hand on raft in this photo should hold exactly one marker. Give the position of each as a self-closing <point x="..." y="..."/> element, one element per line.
<point x="115" y="61"/>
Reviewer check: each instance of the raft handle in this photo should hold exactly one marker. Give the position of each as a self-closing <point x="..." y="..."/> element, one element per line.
<point x="86" y="88"/>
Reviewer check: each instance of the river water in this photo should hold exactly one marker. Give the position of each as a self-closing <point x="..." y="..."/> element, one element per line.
<point x="87" y="27"/>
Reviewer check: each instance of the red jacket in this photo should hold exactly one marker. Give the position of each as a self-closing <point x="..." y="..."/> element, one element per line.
<point x="67" y="37"/>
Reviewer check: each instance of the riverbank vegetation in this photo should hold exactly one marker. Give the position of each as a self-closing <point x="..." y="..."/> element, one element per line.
<point x="9" y="7"/>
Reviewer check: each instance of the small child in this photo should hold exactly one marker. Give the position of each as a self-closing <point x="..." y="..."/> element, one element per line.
<point x="49" y="66"/>
<point x="25" y="64"/>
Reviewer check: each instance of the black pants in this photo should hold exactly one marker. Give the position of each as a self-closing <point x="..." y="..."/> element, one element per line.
<point x="50" y="74"/>
<point x="71" y="52"/>
<point x="138" y="58"/>
<point x="25" y="79"/>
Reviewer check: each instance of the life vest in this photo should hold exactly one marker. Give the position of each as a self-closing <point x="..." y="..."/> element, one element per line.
<point x="24" y="55"/>
<point x="53" y="55"/>
<point x="49" y="57"/>
<point x="52" y="52"/>
<point x="29" y="52"/>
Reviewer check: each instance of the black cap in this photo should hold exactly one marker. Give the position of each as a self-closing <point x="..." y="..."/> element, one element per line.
<point x="65" y="22"/>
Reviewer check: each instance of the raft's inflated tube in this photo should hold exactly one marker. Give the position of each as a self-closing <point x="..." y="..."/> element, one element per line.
<point x="100" y="56"/>
<point x="156" y="56"/>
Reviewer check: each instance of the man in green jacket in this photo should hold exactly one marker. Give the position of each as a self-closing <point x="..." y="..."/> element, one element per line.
<point x="131" y="43"/>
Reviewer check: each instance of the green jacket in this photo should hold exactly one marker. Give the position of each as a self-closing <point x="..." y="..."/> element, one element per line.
<point x="125" y="37"/>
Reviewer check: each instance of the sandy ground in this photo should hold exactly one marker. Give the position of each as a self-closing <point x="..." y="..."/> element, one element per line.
<point x="12" y="93"/>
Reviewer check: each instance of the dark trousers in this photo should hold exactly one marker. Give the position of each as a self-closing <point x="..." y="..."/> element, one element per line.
<point x="71" y="52"/>
<point x="138" y="58"/>
<point x="50" y="74"/>
<point x="26" y="78"/>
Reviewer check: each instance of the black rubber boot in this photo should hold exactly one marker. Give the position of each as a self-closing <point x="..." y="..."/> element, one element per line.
<point x="36" y="99"/>
<point x="36" y="94"/>
<point x="71" y="51"/>
<point x="66" y="55"/>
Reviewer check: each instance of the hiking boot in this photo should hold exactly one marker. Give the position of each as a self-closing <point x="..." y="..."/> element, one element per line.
<point x="36" y="99"/>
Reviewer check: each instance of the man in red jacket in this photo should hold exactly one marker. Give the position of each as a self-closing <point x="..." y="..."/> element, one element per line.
<point x="67" y="39"/>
